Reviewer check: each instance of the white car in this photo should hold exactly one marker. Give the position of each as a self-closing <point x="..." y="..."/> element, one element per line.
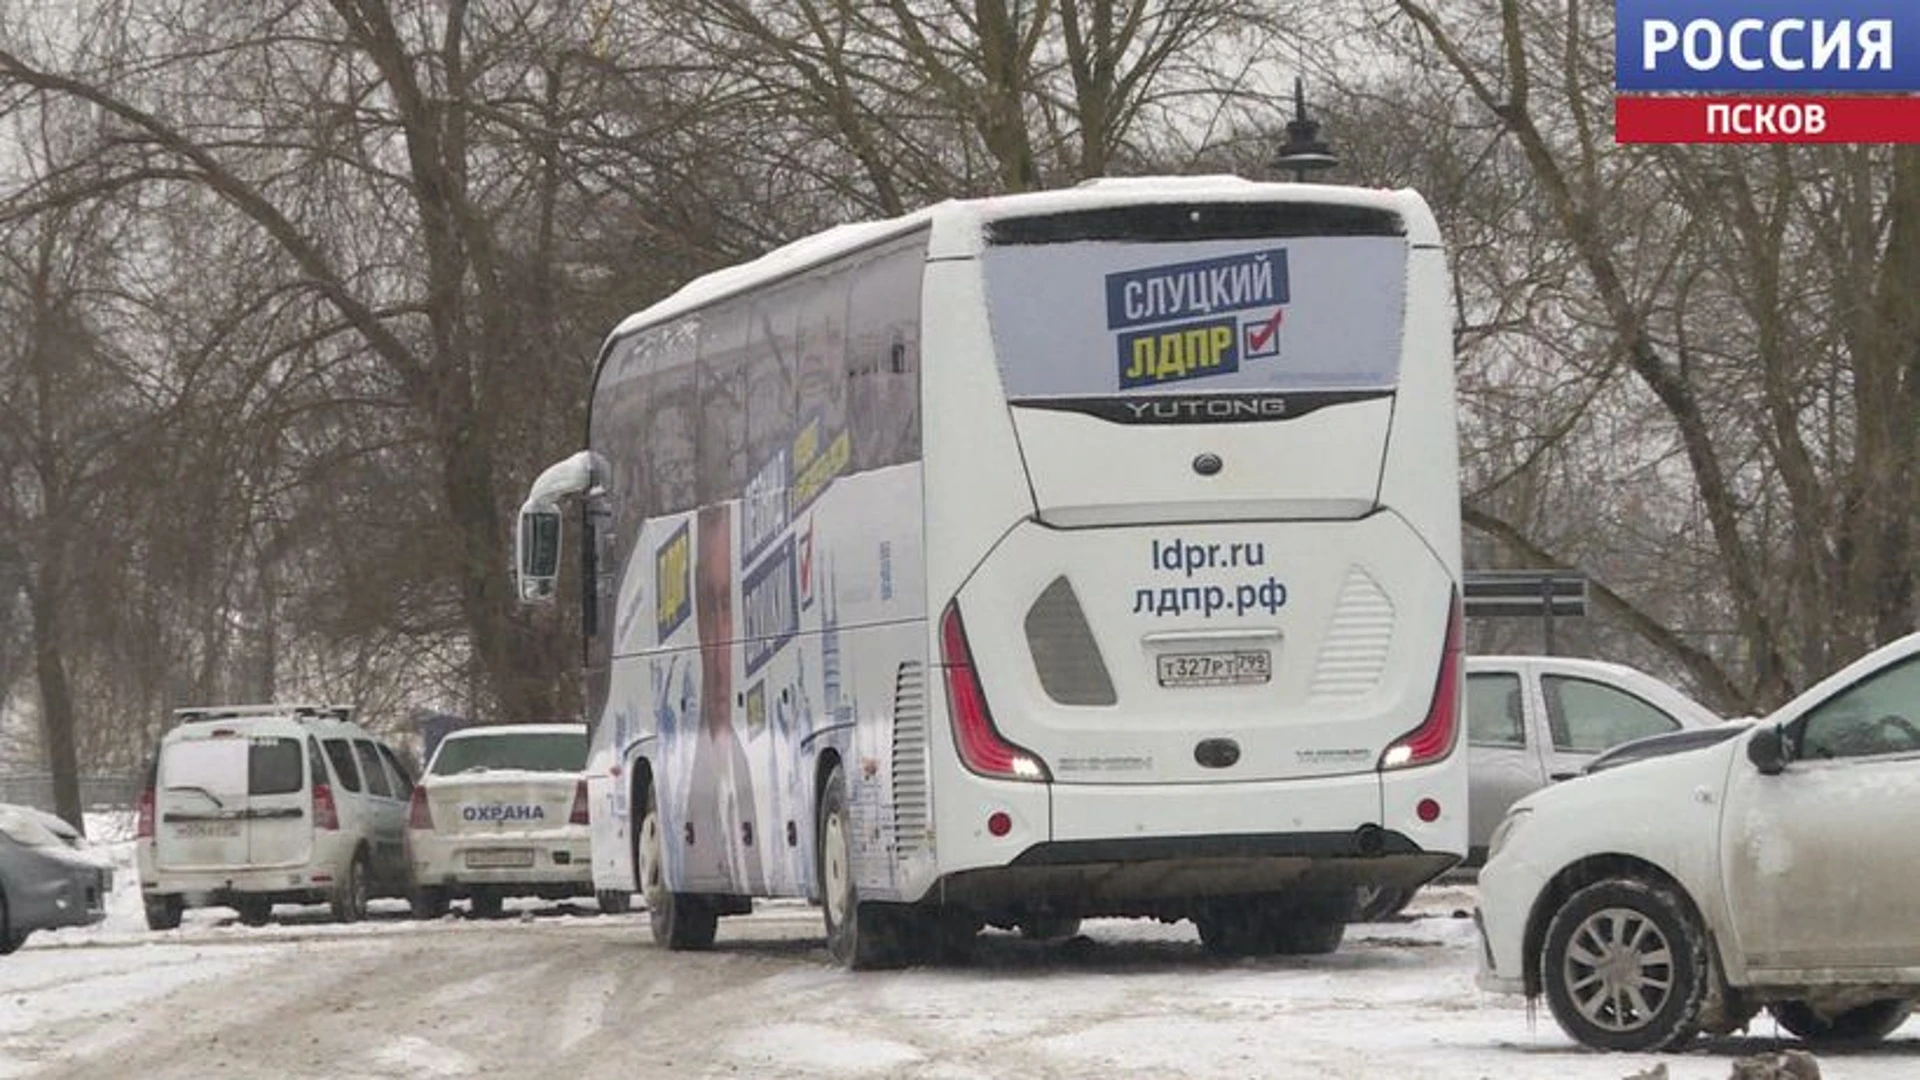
<point x="1535" y="720"/>
<point x="502" y="811"/>
<point x="247" y="806"/>
<point x="1683" y="893"/>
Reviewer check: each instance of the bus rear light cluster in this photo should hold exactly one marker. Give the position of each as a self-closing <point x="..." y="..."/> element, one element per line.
<point x="982" y="749"/>
<point x="419" y="814"/>
<point x="1434" y="739"/>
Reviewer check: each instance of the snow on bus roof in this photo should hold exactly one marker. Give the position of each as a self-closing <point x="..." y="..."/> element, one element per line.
<point x="823" y="246"/>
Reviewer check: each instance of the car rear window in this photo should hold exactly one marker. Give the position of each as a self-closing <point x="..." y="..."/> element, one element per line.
<point x="556" y="751"/>
<point x="223" y="765"/>
<point x="275" y="766"/>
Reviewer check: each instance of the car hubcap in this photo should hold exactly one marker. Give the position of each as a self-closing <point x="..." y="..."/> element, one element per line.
<point x="1619" y="969"/>
<point x="835" y="869"/>
<point x="652" y="882"/>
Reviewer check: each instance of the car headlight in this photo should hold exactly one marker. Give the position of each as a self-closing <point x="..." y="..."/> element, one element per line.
<point x="1504" y="831"/>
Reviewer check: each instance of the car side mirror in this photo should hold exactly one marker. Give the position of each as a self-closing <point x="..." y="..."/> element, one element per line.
<point x="1767" y="749"/>
<point x="539" y="553"/>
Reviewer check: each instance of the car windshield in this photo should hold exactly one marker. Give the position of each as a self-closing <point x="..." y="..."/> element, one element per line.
<point x="537" y="751"/>
<point x="26" y="828"/>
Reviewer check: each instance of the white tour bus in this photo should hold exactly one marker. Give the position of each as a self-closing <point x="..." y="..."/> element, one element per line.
<point x="1081" y="553"/>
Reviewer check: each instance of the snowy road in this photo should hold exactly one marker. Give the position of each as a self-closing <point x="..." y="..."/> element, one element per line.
<point x="558" y="995"/>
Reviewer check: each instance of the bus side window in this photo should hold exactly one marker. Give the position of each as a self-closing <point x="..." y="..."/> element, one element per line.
<point x="883" y="358"/>
<point x="721" y="386"/>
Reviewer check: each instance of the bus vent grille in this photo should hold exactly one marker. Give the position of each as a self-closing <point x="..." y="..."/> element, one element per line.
<point x="910" y="809"/>
<point x="1353" y="655"/>
<point x="1064" y="652"/>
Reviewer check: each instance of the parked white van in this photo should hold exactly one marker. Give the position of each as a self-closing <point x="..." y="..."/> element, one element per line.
<point x="247" y="806"/>
<point x="501" y="811"/>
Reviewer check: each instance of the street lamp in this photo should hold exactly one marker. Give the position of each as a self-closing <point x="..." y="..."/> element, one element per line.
<point x="1304" y="152"/>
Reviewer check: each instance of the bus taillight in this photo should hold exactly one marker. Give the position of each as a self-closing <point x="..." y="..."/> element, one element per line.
<point x="1435" y="737"/>
<point x="981" y="747"/>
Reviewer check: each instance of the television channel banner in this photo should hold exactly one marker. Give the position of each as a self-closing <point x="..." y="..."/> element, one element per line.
<point x="1767" y="71"/>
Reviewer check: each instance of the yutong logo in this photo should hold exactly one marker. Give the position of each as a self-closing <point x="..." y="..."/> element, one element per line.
<point x="1233" y="408"/>
<point x="1816" y="70"/>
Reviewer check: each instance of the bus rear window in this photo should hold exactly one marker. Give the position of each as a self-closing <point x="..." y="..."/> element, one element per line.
<point x="1287" y="313"/>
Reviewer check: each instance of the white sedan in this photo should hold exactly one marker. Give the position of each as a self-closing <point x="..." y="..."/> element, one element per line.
<point x="501" y="811"/>
<point x="1684" y="893"/>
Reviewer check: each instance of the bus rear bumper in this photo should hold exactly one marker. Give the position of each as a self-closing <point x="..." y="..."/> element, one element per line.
<point x="1163" y="876"/>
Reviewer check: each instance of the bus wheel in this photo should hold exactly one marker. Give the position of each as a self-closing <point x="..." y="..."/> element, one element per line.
<point x="859" y="935"/>
<point x="1234" y="928"/>
<point x="679" y="920"/>
<point x="1312" y="924"/>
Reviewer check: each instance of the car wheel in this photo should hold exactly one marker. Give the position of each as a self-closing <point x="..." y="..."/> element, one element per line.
<point x="1867" y="1023"/>
<point x="486" y="903"/>
<point x="1625" y="966"/>
<point x="1378" y="903"/>
<point x="614" y="901"/>
<point x="428" y="902"/>
<point x="349" y="900"/>
<point x="860" y="934"/>
<point x="163" y="912"/>
<point x="679" y="920"/>
<point x="254" y="911"/>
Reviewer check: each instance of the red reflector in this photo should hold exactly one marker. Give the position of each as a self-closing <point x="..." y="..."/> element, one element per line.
<point x="578" y="816"/>
<point x="981" y="748"/>
<point x="1435" y="737"/>
<point x="1428" y="809"/>
<point x="419" y="814"/>
<point x="999" y="823"/>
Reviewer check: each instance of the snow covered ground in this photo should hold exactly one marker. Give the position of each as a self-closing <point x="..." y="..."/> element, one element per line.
<point x="560" y="991"/>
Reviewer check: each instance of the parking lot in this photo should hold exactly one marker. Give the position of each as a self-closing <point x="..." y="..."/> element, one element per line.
<point x="553" y="990"/>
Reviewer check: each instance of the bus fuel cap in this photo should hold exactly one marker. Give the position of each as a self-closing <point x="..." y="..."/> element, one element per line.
<point x="1216" y="753"/>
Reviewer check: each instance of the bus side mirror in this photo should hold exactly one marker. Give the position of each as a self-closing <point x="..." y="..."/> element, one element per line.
<point x="1767" y="749"/>
<point x="538" y="554"/>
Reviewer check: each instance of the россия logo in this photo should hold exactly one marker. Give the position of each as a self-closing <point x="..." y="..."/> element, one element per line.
<point x="1767" y="71"/>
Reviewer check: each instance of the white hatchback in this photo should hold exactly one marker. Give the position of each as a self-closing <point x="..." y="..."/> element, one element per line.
<point x="1684" y="893"/>
<point x="501" y="811"/>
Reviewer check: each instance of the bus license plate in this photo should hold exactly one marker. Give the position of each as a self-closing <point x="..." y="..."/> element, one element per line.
<point x="500" y="859"/>
<point x="1216" y="668"/>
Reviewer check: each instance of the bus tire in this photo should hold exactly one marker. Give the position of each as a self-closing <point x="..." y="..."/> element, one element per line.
<point x="860" y="934"/>
<point x="1311" y="924"/>
<point x="680" y="921"/>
